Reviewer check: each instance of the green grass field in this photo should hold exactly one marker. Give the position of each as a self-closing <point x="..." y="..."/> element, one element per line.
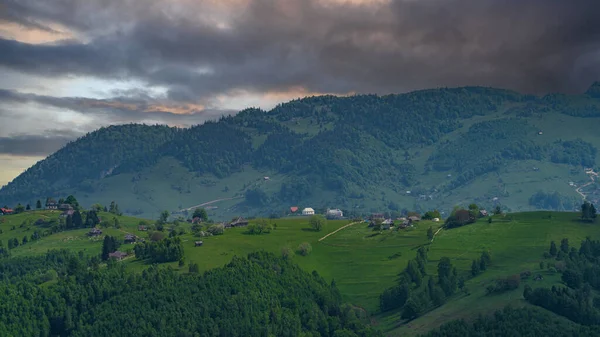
<point x="363" y="262"/>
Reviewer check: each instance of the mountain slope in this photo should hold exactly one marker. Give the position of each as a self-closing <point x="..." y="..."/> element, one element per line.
<point x="425" y="149"/>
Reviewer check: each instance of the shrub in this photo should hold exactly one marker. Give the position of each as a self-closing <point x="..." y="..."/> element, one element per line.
<point x="305" y="248"/>
<point x="216" y="229"/>
<point x="287" y="253"/>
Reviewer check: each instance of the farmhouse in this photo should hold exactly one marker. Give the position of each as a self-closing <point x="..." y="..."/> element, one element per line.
<point x="375" y="216"/>
<point x="95" y="232"/>
<point x="65" y="207"/>
<point x="67" y="213"/>
<point x="483" y="213"/>
<point x="129" y="238"/>
<point x="294" y="209"/>
<point x="387" y="223"/>
<point x="142" y="228"/>
<point x="334" y="214"/>
<point x="238" y="222"/>
<point x="118" y="255"/>
<point x="198" y="243"/>
<point x="51" y="205"/>
<point x="308" y="211"/>
<point x="414" y="218"/>
<point x="6" y="211"/>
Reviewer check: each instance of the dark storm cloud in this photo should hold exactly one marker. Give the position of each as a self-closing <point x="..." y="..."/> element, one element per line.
<point x="528" y="45"/>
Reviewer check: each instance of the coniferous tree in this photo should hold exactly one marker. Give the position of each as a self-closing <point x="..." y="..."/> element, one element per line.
<point x="38" y="204"/>
<point x="553" y="250"/>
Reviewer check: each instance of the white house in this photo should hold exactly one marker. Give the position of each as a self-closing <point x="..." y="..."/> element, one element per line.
<point x="308" y="211"/>
<point x="335" y="213"/>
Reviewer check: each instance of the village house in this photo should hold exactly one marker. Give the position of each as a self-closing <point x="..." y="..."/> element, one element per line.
<point x="294" y="209"/>
<point x="308" y="211"/>
<point x="129" y="238"/>
<point x="67" y="213"/>
<point x="334" y="214"/>
<point x="483" y="213"/>
<point x="196" y="220"/>
<point x="142" y="228"/>
<point x="435" y="219"/>
<point x="387" y="223"/>
<point x="95" y="232"/>
<point x="414" y="218"/>
<point x="198" y="243"/>
<point x="238" y="222"/>
<point x="51" y="205"/>
<point x="65" y="207"/>
<point x="118" y="255"/>
<point x="6" y="211"/>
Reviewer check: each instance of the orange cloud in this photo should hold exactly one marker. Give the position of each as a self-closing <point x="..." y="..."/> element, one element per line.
<point x="11" y="30"/>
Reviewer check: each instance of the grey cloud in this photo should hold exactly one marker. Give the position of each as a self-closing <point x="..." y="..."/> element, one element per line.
<point x="35" y="145"/>
<point x="534" y="46"/>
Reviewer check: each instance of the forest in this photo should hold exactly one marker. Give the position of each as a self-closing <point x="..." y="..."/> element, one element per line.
<point x="66" y="294"/>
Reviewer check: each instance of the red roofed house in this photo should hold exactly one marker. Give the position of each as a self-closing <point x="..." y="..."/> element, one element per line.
<point x="294" y="209"/>
<point x="6" y="211"/>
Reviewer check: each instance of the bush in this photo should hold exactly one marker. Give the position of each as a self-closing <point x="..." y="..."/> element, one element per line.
<point x="287" y="253"/>
<point x="305" y="248"/>
<point x="216" y="229"/>
<point x="261" y="227"/>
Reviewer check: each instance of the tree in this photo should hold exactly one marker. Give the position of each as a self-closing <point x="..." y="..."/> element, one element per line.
<point x="28" y="207"/>
<point x="497" y="210"/>
<point x="200" y="213"/>
<point x="24" y="241"/>
<point x="69" y="222"/>
<point x="77" y="219"/>
<point x="164" y="216"/>
<point x="475" y="268"/>
<point x="109" y="245"/>
<point x="38" y="204"/>
<point x="474" y="210"/>
<point x="91" y="218"/>
<point x="553" y="250"/>
<point x="193" y="268"/>
<point x="588" y="212"/>
<point x="19" y="209"/>
<point x="72" y="201"/>
<point x="564" y="245"/>
<point x="316" y="223"/>
<point x="432" y="215"/>
<point x="411" y="309"/>
<point x="430" y="233"/>
<point x="304" y="248"/>
<point x="97" y="207"/>
<point x="114" y="208"/>
<point x="490" y="219"/>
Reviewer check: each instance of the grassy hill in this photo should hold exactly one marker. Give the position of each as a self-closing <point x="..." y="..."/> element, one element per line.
<point x="415" y="151"/>
<point x="363" y="262"/>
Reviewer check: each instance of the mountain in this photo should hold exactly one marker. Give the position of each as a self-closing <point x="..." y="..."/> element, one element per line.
<point x="416" y="151"/>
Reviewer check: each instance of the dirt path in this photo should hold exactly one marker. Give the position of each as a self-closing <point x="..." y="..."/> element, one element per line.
<point x="339" y="229"/>
<point x="207" y="203"/>
<point x="434" y="234"/>
<point x="591" y="173"/>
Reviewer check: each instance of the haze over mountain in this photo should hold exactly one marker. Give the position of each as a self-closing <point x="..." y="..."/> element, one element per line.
<point x="72" y="67"/>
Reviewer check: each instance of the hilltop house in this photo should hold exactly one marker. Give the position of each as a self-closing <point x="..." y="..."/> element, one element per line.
<point x="308" y="211"/>
<point x="334" y="214"/>
<point x="51" y="205"/>
<point x="483" y="213"/>
<point x="387" y="223"/>
<point x="95" y="232"/>
<point x="118" y="255"/>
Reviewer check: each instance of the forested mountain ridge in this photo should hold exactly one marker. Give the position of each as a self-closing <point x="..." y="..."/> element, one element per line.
<point x="414" y="151"/>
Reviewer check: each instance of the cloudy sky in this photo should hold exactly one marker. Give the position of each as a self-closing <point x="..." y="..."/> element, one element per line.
<point x="70" y="66"/>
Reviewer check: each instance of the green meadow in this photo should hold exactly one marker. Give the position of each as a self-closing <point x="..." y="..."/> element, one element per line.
<point x="362" y="262"/>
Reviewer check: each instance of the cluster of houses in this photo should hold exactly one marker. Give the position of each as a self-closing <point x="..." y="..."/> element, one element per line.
<point x="388" y="223"/>
<point x="308" y="211"/>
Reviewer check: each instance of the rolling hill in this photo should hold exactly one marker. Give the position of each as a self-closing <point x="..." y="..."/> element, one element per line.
<point x="416" y="151"/>
<point x="361" y="261"/>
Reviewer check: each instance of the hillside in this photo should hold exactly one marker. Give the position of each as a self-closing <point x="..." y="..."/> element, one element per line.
<point x="361" y="261"/>
<point x="416" y="151"/>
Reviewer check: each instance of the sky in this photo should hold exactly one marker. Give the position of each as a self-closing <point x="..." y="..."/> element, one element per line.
<point x="68" y="67"/>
